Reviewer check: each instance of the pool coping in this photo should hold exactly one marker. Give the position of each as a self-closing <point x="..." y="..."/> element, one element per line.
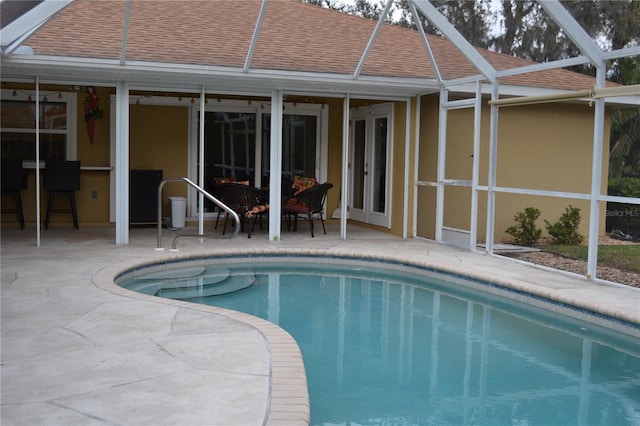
<point x="288" y="399"/>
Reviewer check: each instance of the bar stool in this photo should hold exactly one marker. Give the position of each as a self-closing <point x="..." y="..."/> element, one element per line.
<point x="14" y="180"/>
<point x="62" y="179"/>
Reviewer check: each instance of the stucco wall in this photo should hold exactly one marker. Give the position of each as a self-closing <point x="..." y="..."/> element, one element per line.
<point x="93" y="197"/>
<point x="334" y="152"/>
<point x="544" y="147"/>
<point x="158" y="139"/>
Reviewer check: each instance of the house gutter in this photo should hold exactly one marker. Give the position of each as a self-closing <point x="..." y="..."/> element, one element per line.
<point x="58" y="69"/>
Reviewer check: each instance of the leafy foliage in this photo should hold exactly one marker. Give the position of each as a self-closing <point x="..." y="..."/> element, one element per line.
<point x="527" y="31"/>
<point x="622" y="216"/>
<point x="624" y="153"/>
<point x="565" y="230"/>
<point x="526" y="232"/>
<point x="624" y="187"/>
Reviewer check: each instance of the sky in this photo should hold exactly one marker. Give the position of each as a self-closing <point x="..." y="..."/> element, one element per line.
<point x="494" y="7"/>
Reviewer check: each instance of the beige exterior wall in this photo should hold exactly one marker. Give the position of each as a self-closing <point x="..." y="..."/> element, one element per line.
<point x="159" y="139"/>
<point x="334" y="165"/>
<point x="543" y="147"/>
<point x="93" y="197"/>
<point x="540" y="147"/>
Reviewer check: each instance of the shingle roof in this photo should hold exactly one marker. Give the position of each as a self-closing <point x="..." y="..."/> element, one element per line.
<point x="295" y="36"/>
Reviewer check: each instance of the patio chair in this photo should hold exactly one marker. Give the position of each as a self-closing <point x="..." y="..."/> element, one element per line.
<point x="248" y="202"/>
<point x="309" y="203"/>
<point x="14" y="180"/>
<point x="62" y="179"/>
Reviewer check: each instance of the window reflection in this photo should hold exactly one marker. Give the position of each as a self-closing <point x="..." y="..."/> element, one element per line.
<point x="18" y="129"/>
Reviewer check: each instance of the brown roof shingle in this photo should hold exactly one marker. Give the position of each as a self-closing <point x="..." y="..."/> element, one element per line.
<point x="295" y="36"/>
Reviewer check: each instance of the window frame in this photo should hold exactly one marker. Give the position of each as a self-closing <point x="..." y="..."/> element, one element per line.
<point x="258" y="108"/>
<point x="71" y="100"/>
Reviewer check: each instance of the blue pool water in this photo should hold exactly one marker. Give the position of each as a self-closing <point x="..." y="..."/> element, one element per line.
<point x="388" y="346"/>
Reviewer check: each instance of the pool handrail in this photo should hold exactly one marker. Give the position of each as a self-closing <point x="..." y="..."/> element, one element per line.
<point x="217" y="202"/>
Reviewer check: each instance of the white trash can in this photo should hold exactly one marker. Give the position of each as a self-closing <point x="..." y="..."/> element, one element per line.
<point x="178" y="211"/>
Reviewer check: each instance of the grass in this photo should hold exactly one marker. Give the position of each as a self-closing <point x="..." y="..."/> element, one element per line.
<point x="625" y="257"/>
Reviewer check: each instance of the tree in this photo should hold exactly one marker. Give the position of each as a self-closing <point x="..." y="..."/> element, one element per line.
<point x="624" y="154"/>
<point x="527" y="31"/>
<point x="512" y="22"/>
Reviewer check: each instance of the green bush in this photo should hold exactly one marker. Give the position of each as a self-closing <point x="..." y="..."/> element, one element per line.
<point x="624" y="187"/>
<point x="526" y="232"/>
<point x="622" y="216"/>
<point x="565" y="230"/>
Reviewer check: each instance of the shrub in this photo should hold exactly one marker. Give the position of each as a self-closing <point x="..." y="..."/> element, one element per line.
<point x="624" y="187"/>
<point x="565" y="230"/>
<point x="622" y="216"/>
<point x="526" y="232"/>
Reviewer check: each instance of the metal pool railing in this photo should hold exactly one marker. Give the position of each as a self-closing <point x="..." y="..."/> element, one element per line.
<point x="217" y="202"/>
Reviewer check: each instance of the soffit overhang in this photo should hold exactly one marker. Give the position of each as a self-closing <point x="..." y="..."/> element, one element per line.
<point x="214" y="79"/>
<point x="255" y="82"/>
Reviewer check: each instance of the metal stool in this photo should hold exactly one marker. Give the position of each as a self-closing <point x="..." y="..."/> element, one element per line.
<point x="62" y="179"/>
<point x="14" y="180"/>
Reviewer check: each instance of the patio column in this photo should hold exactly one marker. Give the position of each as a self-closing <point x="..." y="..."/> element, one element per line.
<point x="596" y="174"/>
<point x="37" y="123"/>
<point x="442" y="155"/>
<point x="201" y="181"/>
<point x="122" y="163"/>
<point x="491" y="179"/>
<point x="477" y="123"/>
<point x="407" y="164"/>
<point x="275" y="181"/>
<point x="344" y="193"/>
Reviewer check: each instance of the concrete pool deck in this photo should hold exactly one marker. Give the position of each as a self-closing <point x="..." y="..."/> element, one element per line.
<point x="77" y="349"/>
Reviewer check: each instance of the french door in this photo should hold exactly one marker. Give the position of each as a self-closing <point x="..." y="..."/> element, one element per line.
<point x="237" y="144"/>
<point x="370" y="165"/>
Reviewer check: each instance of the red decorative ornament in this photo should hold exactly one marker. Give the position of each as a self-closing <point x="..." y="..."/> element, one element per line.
<point x="92" y="111"/>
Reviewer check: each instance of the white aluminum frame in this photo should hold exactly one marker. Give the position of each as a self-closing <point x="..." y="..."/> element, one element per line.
<point x="125" y="74"/>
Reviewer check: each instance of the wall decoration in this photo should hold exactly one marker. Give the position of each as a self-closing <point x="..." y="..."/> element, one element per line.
<point x="92" y="111"/>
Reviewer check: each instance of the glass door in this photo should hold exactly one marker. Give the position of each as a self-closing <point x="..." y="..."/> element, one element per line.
<point x="300" y="146"/>
<point x="370" y="165"/>
<point x="229" y="149"/>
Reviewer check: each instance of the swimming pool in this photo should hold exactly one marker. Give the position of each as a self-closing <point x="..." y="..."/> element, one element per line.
<point x="406" y="345"/>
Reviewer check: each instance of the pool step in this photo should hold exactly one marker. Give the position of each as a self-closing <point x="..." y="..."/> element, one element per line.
<point x="205" y="286"/>
<point x="191" y="282"/>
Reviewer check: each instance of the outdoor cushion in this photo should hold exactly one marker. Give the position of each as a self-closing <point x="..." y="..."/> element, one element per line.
<point x="300" y="183"/>
<point x="257" y="210"/>
<point x="221" y="180"/>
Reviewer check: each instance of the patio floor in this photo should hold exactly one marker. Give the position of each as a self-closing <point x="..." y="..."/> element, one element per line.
<point x="77" y="349"/>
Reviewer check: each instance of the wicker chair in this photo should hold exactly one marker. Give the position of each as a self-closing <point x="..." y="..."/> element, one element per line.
<point x="309" y="203"/>
<point x="248" y="202"/>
